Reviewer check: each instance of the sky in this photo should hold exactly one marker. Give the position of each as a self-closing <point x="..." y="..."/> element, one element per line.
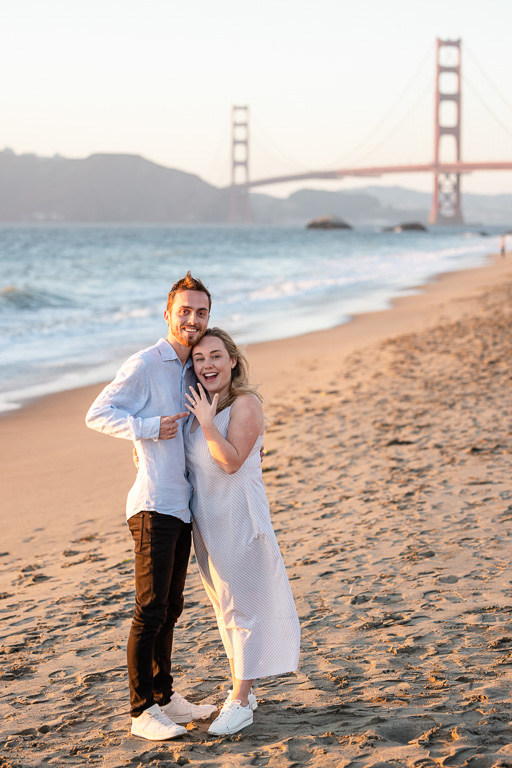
<point x="329" y="84"/>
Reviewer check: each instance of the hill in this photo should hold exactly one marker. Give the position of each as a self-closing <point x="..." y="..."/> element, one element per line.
<point x="103" y="188"/>
<point x="129" y="188"/>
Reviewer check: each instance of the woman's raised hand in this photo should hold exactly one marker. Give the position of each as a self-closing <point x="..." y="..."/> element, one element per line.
<point x="198" y="404"/>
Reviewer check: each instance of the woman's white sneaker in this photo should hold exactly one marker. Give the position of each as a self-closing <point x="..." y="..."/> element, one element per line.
<point x="154" y="725"/>
<point x="233" y="717"/>
<point x="253" y="701"/>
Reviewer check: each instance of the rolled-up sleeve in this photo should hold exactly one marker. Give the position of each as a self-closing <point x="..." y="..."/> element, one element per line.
<point x="115" y="410"/>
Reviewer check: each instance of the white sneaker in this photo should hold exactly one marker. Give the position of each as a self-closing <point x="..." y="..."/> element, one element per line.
<point x="253" y="701"/>
<point x="233" y="717"/>
<point x="154" y="725"/>
<point x="182" y="711"/>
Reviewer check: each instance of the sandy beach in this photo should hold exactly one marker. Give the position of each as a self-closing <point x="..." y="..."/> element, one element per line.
<point x="389" y="479"/>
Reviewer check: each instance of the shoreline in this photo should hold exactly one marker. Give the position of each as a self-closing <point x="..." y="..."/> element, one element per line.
<point x="388" y="477"/>
<point x="365" y="335"/>
<point x="429" y="303"/>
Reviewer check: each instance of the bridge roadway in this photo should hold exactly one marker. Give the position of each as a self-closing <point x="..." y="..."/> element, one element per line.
<point x="444" y="168"/>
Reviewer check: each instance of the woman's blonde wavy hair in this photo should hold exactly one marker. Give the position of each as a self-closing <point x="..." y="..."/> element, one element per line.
<point x="239" y="374"/>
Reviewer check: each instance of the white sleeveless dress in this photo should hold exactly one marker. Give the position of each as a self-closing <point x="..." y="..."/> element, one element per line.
<point x="239" y="560"/>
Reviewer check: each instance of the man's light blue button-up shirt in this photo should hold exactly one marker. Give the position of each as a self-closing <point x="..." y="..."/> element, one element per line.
<point x="150" y="384"/>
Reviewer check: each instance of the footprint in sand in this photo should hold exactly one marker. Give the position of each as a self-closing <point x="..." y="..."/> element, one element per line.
<point x="17" y="671"/>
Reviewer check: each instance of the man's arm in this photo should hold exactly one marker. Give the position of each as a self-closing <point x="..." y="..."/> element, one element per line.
<point x="114" y="410"/>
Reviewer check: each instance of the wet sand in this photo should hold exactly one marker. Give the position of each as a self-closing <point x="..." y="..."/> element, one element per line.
<point x="388" y="473"/>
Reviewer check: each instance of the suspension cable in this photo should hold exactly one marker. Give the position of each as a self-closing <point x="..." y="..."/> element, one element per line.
<point x="276" y="160"/>
<point x="287" y="160"/>
<point x="489" y="109"/>
<point x="294" y="165"/>
<point x="389" y="113"/>
<point x="489" y="80"/>
<point x="220" y="148"/>
<point x="393" y="130"/>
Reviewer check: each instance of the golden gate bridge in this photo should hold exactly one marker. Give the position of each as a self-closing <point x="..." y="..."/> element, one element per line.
<point x="446" y="199"/>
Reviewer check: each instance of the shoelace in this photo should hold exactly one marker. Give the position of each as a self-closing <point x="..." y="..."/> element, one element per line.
<point x="162" y="718"/>
<point x="228" y="705"/>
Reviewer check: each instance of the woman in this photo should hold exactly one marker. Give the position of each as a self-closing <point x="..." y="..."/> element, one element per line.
<point x="236" y="549"/>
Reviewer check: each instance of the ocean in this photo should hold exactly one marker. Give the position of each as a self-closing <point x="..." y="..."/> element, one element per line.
<point x="76" y="300"/>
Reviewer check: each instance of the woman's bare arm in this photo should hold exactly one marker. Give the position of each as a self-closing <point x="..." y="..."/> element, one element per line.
<point x="246" y="423"/>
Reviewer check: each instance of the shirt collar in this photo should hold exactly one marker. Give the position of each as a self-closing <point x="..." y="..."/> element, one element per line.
<point x="167" y="352"/>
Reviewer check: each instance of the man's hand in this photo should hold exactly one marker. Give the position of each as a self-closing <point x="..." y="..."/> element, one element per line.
<point x="168" y="425"/>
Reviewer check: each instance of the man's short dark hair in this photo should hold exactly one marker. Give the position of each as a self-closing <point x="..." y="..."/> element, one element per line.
<point x="187" y="283"/>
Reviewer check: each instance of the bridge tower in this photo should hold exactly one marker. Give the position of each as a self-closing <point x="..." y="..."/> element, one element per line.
<point x="446" y="203"/>
<point x="240" y="209"/>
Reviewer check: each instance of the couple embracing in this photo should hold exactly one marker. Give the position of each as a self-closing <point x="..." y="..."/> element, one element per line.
<point x="197" y="426"/>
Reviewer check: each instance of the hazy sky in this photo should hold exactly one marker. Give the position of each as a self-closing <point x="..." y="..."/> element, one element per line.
<point x="159" y="77"/>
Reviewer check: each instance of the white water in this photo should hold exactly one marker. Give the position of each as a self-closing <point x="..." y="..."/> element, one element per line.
<point x="77" y="300"/>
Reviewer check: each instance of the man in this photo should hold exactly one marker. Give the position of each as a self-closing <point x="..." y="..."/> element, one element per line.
<point x="145" y="403"/>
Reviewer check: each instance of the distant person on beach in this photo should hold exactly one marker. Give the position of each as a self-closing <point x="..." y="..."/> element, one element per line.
<point x="145" y="404"/>
<point x="235" y="545"/>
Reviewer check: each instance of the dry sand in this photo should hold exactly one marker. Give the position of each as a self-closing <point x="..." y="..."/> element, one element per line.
<point x="389" y="477"/>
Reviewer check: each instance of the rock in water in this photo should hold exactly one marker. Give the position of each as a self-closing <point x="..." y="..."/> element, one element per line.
<point x="328" y="222"/>
<point x="407" y="226"/>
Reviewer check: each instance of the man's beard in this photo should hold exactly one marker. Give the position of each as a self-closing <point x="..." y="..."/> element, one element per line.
<point x="184" y="338"/>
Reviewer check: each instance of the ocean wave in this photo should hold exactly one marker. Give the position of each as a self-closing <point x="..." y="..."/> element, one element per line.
<point x="290" y="288"/>
<point x="406" y="266"/>
<point x="13" y="297"/>
<point x="136" y="312"/>
<point x="96" y="306"/>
